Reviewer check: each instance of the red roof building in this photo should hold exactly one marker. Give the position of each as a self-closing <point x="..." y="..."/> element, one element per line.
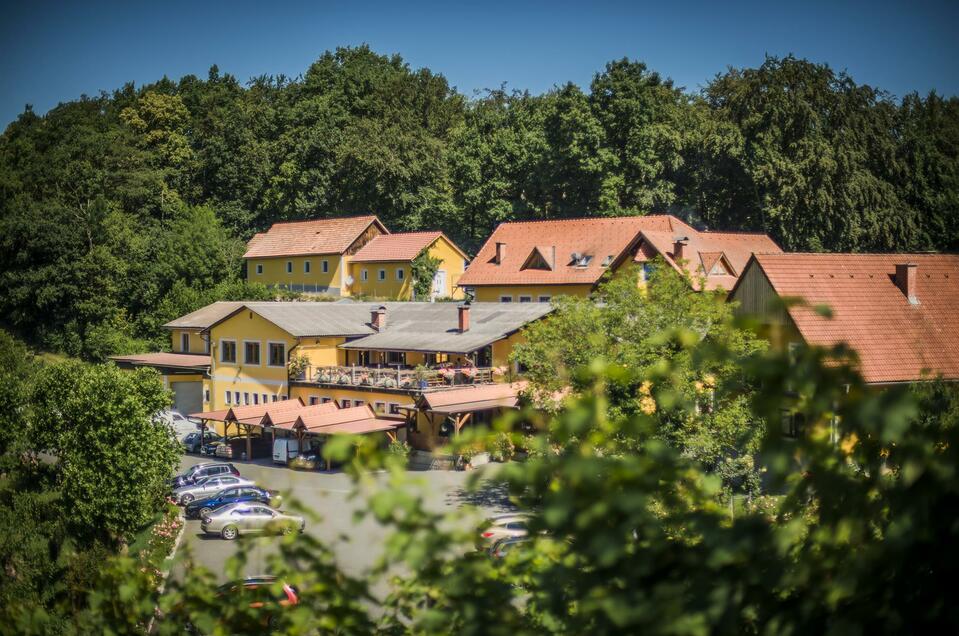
<point x="542" y="258"/>
<point x="899" y="312"/>
<point x="316" y="236"/>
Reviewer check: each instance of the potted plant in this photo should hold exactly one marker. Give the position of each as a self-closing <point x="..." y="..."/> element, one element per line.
<point x="297" y="367"/>
<point x="422" y="374"/>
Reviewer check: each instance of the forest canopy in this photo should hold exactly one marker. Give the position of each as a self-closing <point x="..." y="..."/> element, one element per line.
<point x="117" y="209"/>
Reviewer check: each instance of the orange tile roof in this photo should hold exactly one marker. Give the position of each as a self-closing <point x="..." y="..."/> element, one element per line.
<point x="395" y="247"/>
<point x="464" y="398"/>
<point x="287" y="419"/>
<point x="247" y="414"/>
<point x="317" y="236"/>
<point x="607" y="240"/>
<point x="896" y="341"/>
<point x="354" y="419"/>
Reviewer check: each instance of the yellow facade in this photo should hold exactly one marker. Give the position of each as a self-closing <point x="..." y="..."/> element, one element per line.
<point x="529" y="293"/>
<point x="319" y="273"/>
<point x="247" y="382"/>
<point x="393" y="280"/>
<point x="381" y="401"/>
<point x="188" y="341"/>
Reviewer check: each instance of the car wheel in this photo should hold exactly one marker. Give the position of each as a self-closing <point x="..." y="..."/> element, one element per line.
<point x="205" y="512"/>
<point x="229" y="533"/>
<point x="288" y="529"/>
<point x="185" y="499"/>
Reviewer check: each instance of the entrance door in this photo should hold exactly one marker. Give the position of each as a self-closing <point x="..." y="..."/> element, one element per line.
<point x="439" y="283"/>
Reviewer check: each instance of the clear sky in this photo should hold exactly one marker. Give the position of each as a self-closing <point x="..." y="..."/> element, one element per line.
<point x="56" y="51"/>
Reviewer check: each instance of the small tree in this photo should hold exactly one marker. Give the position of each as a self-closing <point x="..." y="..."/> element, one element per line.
<point x="423" y="269"/>
<point x="114" y="457"/>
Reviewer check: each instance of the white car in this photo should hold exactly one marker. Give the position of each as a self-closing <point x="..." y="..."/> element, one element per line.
<point x="180" y="423"/>
<point x="511" y="525"/>
<point x="207" y="487"/>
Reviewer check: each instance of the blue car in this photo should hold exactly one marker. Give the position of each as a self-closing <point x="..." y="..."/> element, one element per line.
<point x="240" y="494"/>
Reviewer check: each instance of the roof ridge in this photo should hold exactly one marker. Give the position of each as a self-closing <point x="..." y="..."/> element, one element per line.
<point x="326" y="218"/>
<point x="589" y="218"/>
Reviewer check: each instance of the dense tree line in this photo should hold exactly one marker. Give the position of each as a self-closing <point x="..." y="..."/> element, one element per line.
<point x="109" y="202"/>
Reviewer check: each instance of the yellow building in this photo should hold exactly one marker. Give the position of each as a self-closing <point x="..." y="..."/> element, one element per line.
<point x="310" y="256"/>
<point x="351" y="256"/>
<point x="535" y="261"/>
<point x="383" y="268"/>
<point x="354" y="353"/>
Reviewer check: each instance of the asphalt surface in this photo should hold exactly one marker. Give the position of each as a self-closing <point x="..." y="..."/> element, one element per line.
<point x="356" y="544"/>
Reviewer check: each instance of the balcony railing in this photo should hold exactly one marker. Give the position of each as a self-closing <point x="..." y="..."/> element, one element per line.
<point x="400" y="378"/>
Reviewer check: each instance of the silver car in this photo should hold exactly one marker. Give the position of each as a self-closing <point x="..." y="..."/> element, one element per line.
<point x="208" y="487"/>
<point x="246" y="518"/>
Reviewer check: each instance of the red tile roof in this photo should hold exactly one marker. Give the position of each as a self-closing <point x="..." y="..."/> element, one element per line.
<point x="471" y="398"/>
<point x="395" y="247"/>
<point x="166" y="360"/>
<point x="355" y="420"/>
<point x="318" y="236"/>
<point x="287" y="419"/>
<point x="253" y="413"/>
<point x="608" y="241"/>
<point x="896" y="341"/>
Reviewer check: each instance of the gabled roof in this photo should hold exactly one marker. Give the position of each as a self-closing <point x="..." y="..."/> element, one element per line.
<point x="253" y="413"/>
<point x="541" y="257"/>
<point x="287" y="419"/>
<point x="598" y="237"/>
<point x="205" y="317"/>
<point x="354" y="420"/>
<point x="702" y="251"/>
<point x="472" y="398"/>
<point x="398" y="247"/>
<point x="608" y="242"/>
<point x="317" y="236"/>
<point x="895" y="339"/>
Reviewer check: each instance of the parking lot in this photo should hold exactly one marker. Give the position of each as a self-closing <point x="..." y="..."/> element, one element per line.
<point x="356" y="545"/>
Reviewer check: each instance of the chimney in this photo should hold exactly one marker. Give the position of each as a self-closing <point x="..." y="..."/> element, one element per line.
<point x="678" y="247"/>
<point x="500" y="253"/>
<point x="552" y="257"/>
<point x="464" y="315"/>
<point x="906" y="278"/>
<point x="378" y="318"/>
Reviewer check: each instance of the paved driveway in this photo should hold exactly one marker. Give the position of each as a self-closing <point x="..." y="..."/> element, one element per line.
<point x="328" y="494"/>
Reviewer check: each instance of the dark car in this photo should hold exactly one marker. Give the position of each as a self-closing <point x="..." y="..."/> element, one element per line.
<point x="241" y="494"/>
<point x="262" y="594"/>
<point x="202" y="471"/>
<point x="209" y="448"/>
<point x="192" y="443"/>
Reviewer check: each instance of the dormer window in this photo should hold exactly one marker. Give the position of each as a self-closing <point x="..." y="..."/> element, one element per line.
<point x="540" y="258"/>
<point x="580" y="260"/>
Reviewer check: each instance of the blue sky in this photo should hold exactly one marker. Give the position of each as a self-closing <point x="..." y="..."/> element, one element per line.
<point x="52" y="52"/>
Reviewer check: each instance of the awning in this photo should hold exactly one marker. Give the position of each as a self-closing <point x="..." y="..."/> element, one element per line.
<point x="218" y="416"/>
<point x="162" y="360"/>
<point x="472" y="398"/>
<point x="355" y="420"/>
<point x="481" y="405"/>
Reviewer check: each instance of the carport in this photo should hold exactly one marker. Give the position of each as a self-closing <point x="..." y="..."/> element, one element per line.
<point x="354" y="420"/>
<point x="447" y="412"/>
<point x="246" y="418"/>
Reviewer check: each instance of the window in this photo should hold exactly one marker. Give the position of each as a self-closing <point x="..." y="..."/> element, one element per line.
<point x="313" y="400"/>
<point x="228" y="351"/>
<point x="236" y="397"/>
<point x="381" y="275"/>
<point x="399" y="273"/>
<point x="379" y="407"/>
<point x="251" y="353"/>
<point x="396" y="357"/>
<point x="246" y="398"/>
<point x="325" y="266"/>
<point x="526" y="299"/>
<point x="506" y="299"/>
<point x="364" y="275"/>
<point x="227" y="397"/>
<point x="545" y="299"/>
<point x="394" y="408"/>
<point x="277" y="354"/>
<point x="306" y="267"/>
<point x="358" y="402"/>
<point x="345" y="403"/>
<point x="324" y="400"/>
<point x="259" y="268"/>
<point x="283" y="397"/>
<point x="256" y="398"/>
<point x="289" y="267"/>
<point x="185" y="342"/>
<point x="266" y="398"/>
<point x="206" y="395"/>
<point x="274" y="398"/>
<point x="793" y="424"/>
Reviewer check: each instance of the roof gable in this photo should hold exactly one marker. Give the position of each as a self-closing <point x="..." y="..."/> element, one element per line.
<point x="318" y="236"/>
<point x="540" y="258"/>
<point x="399" y="247"/>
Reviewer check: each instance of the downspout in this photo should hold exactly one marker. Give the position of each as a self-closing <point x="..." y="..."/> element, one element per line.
<point x="289" y="357"/>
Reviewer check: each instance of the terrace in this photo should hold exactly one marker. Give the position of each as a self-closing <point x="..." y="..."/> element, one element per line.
<point x="404" y="378"/>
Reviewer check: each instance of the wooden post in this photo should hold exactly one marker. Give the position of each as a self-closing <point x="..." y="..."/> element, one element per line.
<point x="249" y="442"/>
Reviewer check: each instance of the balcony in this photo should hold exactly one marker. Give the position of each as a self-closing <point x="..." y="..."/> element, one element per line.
<point x="404" y="378"/>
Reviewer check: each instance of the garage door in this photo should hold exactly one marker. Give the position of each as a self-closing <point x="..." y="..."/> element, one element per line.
<point x="187" y="397"/>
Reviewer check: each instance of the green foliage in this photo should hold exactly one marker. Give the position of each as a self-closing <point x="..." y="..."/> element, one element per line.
<point x="114" y="458"/>
<point x="701" y="410"/>
<point x="423" y="269"/>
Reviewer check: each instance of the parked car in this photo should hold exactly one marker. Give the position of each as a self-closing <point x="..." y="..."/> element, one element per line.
<point x="209" y="486"/>
<point x="261" y="593"/>
<point x="209" y="448"/>
<point x="231" y="521"/>
<point x="502" y="526"/>
<point x="240" y="494"/>
<point x="503" y="546"/>
<point x="193" y="444"/>
<point x="202" y="471"/>
<point x="180" y="423"/>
